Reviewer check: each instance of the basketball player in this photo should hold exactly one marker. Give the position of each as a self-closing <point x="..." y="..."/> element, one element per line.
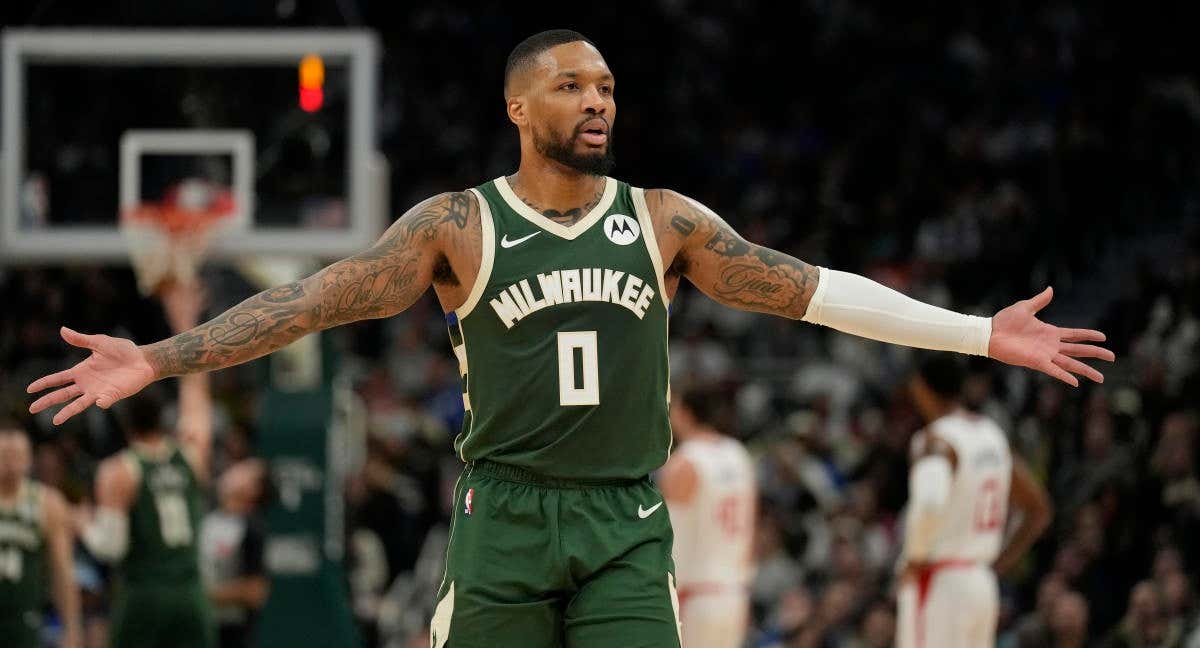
<point x="149" y="508"/>
<point x="961" y="484"/>
<point x="710" y="491"/>
<point x="555" y="282"/>
<point x="35" y="531"/>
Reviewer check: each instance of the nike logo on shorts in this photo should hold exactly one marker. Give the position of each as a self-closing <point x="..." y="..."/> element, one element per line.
<point x="505" y="243"/>
<point x="645" y="513"/>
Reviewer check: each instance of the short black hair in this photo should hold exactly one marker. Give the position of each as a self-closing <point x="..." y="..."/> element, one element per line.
<point x="141" y="414"/>
<point x="704" y="404"/>
<point x="527" y="50"/>
<point x="944" y="373"/>
<point x="9" y="425"/>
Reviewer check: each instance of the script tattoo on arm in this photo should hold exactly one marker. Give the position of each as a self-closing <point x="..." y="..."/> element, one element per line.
<point x="727" y="267"/>
<point x="378" y="282"/>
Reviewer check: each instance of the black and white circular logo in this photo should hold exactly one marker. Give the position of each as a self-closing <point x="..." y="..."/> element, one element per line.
<point x="621" y="229"/>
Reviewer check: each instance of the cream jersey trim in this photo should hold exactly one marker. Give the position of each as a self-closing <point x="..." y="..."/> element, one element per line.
<point x="643" y="216"/>
<point x="570" y="233"/>
<point x="487" y="258"/>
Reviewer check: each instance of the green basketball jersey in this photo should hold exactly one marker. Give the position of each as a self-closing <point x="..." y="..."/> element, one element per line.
<point x="22" y="554"/>
<point x="562" y="343"/>
<point x="164" y="522"/>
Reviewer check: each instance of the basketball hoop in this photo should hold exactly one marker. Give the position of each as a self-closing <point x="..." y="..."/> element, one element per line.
<point x="169" y="239"/>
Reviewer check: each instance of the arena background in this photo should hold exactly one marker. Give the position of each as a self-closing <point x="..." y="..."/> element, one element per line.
<point x="967" y="156"/>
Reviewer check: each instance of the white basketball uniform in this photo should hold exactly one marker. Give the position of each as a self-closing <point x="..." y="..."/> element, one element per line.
<point x="954" y="602"/>
<point x="713" y="537"/>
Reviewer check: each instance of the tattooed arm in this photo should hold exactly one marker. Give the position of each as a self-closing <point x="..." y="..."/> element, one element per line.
<point x="381" y="281"/>
<point x="697" y="244"/>
<point x="725" y="266"/>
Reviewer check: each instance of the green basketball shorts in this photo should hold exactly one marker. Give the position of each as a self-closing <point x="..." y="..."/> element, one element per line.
<point x="162" y="616"/>
<point x="542" y="563"/>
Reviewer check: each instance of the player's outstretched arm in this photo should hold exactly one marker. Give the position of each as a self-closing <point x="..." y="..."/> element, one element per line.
<point x="379" y="282"/>
<point x="183" y="304"/>
<point x="698" y="244"/>
<point x="929" y="482"/>
<point x="105" y="531"/>
<point x="1028" y="496"/>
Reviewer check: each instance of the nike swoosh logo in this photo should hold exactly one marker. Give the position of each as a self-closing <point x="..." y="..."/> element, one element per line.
<point x="505" y="243"/>
<point x="645" y="513"/>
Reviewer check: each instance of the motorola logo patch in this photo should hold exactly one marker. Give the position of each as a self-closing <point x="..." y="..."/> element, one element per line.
<point x="621" y="229"/>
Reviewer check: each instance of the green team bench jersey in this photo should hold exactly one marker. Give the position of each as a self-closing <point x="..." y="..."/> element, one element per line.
<point x="164" y="522"/>
<point x="22" y="555"/>
<point x="562" y="342"/>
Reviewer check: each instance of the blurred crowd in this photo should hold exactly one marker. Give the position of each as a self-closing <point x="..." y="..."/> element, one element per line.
<point x="966" y="157"/>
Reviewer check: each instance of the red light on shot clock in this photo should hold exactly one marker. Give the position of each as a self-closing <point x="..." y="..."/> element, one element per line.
<point x="312" y="83"/>
<point x="311" y="99"/>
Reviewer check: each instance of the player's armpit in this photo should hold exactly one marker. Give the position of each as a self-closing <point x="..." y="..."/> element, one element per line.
<point x="378" y="282"/>
<point x="725" y="266"/>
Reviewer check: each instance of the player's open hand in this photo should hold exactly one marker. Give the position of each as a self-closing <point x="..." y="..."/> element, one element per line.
<point x="116" y="369"/>
<point x="1020" y="338"/>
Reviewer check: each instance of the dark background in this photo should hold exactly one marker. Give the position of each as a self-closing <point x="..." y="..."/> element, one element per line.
<point x="967" y="156"/>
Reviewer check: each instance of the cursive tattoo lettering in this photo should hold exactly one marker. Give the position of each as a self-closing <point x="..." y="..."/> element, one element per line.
<point x="729" y="268"/>
<point x="379" y="282"/>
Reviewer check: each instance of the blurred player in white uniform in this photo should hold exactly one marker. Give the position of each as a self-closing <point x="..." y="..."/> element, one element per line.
<point x="961" y="484"/>
<point x="709" y="488"/>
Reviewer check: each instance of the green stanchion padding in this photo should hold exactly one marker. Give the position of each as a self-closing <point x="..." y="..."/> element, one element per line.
<point x="308" y="604"/>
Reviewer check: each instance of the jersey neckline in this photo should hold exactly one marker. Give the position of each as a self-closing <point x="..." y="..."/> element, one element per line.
<point x="562" y="231"/>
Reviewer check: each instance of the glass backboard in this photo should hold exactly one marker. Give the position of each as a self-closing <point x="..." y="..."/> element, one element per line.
<point x="97" y="122"/>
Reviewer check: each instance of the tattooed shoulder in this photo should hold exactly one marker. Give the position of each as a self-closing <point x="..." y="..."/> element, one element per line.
<point x="461" y="203"/>
<point x="726" y="266"/>
<point x="424" y="220"/>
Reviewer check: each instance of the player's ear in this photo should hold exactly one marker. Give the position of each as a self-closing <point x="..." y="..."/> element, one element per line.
<point x="516" y="110"/>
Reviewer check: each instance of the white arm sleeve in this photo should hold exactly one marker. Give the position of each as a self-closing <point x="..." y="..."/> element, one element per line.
<point x="107" y="537"/>
<point x="928" y="493"/>
<point x="854" y="304"/>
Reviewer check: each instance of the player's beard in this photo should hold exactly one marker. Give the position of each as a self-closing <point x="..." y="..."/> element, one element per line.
<point x="562" y="150"/>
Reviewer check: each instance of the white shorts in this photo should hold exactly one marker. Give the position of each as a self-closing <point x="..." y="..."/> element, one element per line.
<point x="958" y="608"/>
<point x="713" y="618"/>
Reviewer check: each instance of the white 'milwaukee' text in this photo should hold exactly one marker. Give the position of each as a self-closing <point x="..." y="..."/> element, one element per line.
<point x="531" y="295"/>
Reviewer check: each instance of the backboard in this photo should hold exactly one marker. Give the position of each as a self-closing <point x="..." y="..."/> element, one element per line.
<point x="95" y="122"/>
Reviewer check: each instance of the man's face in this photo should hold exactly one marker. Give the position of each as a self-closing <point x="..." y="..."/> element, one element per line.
<point x="568" y="99"/>
<point x="14" y="455"/>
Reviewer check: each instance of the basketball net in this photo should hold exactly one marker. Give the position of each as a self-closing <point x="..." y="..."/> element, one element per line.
<point x="169" y="239"/>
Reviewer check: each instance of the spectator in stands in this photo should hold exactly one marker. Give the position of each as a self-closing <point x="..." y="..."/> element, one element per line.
<point x="1173" y="467"/>
<point x="878" y="627"/>
<point x="1179" y="601"/>
<point x="231" y="553"/>
<point x="1016" y="155"/>
<point x="1034" y="629"/>
<point x="1145" y="624"/>
<point x="1069" y="621"/>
